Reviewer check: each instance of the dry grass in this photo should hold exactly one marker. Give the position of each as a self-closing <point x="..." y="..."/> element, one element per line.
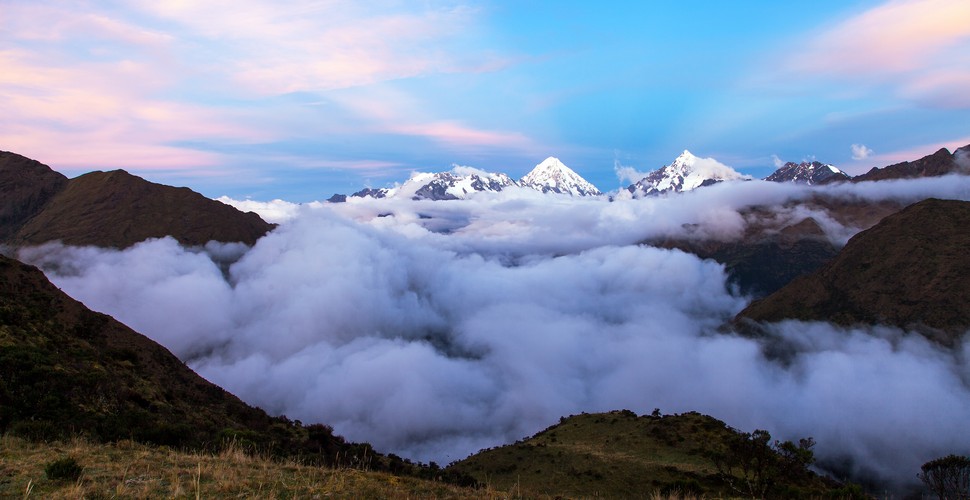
<point x="131" y="470"/>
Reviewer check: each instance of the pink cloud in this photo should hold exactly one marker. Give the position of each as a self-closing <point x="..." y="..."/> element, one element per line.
<point x="101" y="115"/>
<point x="916" y="48"/>
<point x="307" y="46"/>
<point x="898" y="36"/>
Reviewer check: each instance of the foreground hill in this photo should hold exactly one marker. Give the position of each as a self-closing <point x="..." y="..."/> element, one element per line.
<point x="617" y="454"/>
<point x="132" y="470"/>
<point x="110" y="209"/>
<point x="910" y="270"/>
<point x="67" y="371"/>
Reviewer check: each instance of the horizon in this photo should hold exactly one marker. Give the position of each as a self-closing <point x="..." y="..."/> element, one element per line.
<point x="300" y="102"/>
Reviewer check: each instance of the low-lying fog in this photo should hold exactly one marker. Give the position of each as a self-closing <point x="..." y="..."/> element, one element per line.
<point x="447" y="327"/>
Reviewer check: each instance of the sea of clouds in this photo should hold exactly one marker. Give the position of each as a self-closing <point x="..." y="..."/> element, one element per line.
<point x="435" y="329"/>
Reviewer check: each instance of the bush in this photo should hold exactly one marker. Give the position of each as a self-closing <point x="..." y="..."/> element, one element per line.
<point x="66" y="468"/>
<point x="948" y="477"/>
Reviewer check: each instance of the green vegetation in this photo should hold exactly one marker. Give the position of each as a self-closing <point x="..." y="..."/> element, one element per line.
<point x="64" y="468"/>
<point x="614" y="454"/>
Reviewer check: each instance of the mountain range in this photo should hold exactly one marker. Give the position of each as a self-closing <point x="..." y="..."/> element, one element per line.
<point x="687" y="172"/>
<point x="549" y="176"/>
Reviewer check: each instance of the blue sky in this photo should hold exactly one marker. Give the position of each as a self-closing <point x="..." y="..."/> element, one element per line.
<point x="254" y="99"/>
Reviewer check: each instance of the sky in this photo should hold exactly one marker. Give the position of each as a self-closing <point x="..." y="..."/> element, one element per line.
<point x="254" y="99"/>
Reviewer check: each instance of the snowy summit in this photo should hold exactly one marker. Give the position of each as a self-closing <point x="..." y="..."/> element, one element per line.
<point x="808" y="173"/>
<point x="687" y="172"/>
<point x="551" y="176"/>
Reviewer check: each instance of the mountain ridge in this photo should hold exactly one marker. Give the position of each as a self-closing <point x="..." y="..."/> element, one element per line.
<point x="110" y="209"/>
<point x="907" y="271"/>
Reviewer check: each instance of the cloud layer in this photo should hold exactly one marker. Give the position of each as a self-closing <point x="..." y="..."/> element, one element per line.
<point x="452" y="326"/>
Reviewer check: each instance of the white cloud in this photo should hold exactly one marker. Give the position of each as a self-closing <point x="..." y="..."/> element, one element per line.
<point x="860" y="152"/>
<point x="778" y="162"/>
<point x="452" y="326"/>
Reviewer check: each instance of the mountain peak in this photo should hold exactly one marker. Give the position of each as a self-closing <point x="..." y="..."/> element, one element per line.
<point x="811" y="173"/>
<point x="685" y="173"/>
<point x="553" y="176"/>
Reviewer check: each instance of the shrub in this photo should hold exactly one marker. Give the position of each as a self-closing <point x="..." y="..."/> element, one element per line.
<point x="65" y="468"/>
<point x="948" y="477"/>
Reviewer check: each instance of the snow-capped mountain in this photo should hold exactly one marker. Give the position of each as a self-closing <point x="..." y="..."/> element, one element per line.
<point x="551" y="176"/>
<point x="808" y="173"/>
<point x="687" y="172"/>
<point x="456" y="184"/>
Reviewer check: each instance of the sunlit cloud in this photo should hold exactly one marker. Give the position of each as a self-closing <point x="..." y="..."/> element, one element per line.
<point x="917" y="46"/>
<point x="314" y="46"/>
<point x="171" y="85"/>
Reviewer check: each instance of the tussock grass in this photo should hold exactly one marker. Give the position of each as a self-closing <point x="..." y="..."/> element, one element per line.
<point x="127" y="469"/>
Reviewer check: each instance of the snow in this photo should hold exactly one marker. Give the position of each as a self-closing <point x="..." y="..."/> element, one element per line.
<point x="687" y="172"/>
<point x="552" y="176"/>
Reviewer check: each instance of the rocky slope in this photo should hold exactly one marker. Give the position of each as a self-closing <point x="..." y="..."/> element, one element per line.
<point x="909" y="271"/>
<point x="811" y="173"/>
<point x="110" y="209"/>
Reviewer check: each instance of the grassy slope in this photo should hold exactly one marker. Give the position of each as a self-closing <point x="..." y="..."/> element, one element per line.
<point x="616" y="454"/>
<point x="130" y="470"/>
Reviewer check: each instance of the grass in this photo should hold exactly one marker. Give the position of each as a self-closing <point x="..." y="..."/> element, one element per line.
<point x="131" y="470"/>
<point x="605" y="455"/>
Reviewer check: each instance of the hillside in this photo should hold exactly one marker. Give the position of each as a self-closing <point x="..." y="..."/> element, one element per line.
<point x="616" y="453"/>
<point x="910" y="271"/>
<point x="25" y="187"/>
<point x="773" y="251"/>
<point x="110" y="209"/>
<point x="132" y="470"/>
<point x="67" y="371"/>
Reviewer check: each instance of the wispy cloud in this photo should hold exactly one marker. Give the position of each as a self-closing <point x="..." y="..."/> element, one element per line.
<point x="919" y="47"/>
<point x="314" y="46"/>
<point x="166" y="85"/>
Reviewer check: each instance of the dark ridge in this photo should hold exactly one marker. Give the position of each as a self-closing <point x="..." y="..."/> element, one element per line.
<point x="110" y="209"/>
<point x="26" y="186"/>
<point x="910" y="270"/>
<point x="936" y="164"/>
